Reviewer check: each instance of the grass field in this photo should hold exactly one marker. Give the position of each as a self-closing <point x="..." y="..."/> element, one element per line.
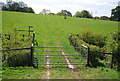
<point x="52" y="30"/>
<point x="58" y="73"/>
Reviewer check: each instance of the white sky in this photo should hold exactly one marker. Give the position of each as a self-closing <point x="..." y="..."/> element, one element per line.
<point x="97" y="7"/>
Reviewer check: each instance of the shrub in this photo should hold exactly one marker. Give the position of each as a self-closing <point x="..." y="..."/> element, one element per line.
<point x="116" y="36"/>
<point x="116" y="49"/>
<point x="95" y="56"/>
<point x="94" y="42"/>
<point x="92" y="38"/>
<point x="12" y="40"/>
<point x="16" y="58"/>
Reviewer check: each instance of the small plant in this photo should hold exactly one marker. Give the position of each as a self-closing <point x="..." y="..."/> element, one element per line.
<point x="92" y="38"/>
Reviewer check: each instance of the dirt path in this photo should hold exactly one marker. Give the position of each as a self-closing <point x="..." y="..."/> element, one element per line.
<point x="67" y="61"/>
<point x="72" y="68"/>
<point x="75" y="72"/>
<point x="48" y="64"/>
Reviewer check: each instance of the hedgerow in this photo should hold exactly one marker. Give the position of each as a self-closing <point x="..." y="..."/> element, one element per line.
<point x="97" y="44"/>
<point x="13" y="40"/>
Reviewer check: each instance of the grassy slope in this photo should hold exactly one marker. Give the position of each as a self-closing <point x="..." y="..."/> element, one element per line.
<point x="54" y="31"/>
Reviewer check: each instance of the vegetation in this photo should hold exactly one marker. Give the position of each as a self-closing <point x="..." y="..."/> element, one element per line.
<point x="92" y="38"/>
<point x="96" y="17"/>
<point x="64" y="13"/>
<point x="17" y="6"/>
<point x="115" y="48"/>
<point x="22" y="73"/>
<point x="115" y="15"/>
<point x="45" y="11"/>
<point x="13" y="40"/>
<point x="58" y="73"/>
<point x="98" y="44"/>
<point x="99" y="73"/>
<point x="104" y="18"/>
<point x="83" y="14"/>
<point x="54" y="31"/>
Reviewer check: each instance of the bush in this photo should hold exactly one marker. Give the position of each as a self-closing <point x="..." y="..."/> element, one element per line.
<point x="12" y="40"/>
<point x="92" y="38"/>
<point x="16" y="58"/>
<point x="96" y="18"/>
<point x="94" y="42"/>
<point x="116" y="49"/>
<point x="116" y="36"/>
<point x="95" y="57"/>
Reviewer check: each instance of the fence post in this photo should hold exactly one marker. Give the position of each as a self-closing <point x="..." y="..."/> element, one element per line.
<point x="88" y="58"/>
<point x="32" y="49"/>
<point x="112" y="61"/>
<point x="33" y="37"/>
<point x="88" y="55"/>
<point x="29" y="29"/>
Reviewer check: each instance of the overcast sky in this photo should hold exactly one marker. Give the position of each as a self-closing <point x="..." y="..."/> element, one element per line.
<point x="97" y="7"/>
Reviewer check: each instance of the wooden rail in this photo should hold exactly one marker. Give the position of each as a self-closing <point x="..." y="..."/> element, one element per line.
<point x="16" y="49"/>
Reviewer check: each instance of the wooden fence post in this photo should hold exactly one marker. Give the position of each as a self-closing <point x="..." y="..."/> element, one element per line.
<point x="32" y="49"/>
<point x="88" y="59"/>
<point x="112" y="61"/>
<point x="29" y="30"/>
<point x="88" y="55"/>
<point x="33" y="37"/>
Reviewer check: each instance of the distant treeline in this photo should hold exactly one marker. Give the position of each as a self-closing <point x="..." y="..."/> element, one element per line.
<point x="17" y="6"/>
<point x="115" y="14"/>
<point x="22" y="7"/>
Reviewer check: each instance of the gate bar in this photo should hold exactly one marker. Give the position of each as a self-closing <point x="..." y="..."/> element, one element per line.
<point x="57" y="51"/>
<point x="55" y="55"/>
<point x="61" y="57"/>
<point x="58" y="47"/>
<point x="62" y="64"/>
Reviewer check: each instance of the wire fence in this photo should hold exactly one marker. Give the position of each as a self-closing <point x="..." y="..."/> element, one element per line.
<point x="18" y="56"/>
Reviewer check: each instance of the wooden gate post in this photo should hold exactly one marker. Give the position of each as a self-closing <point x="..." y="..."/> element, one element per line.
<point x="32" y="49"/>
<point x="33" y="38"/>
<point x="88" y="59"/>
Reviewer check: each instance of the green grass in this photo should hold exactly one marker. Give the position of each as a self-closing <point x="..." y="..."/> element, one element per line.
<point x="98" y="73"/>
<point x="54" y="31"/>
<point x="61" y="73"/>
<point x="58" y="73"/>
<point x="22" y="73"/>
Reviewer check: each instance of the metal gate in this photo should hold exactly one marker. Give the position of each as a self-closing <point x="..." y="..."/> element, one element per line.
<point x="58" y="55"/>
